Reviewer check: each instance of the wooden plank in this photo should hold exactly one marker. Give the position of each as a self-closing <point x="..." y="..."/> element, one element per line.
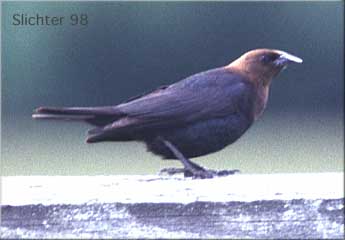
<point x="238" y="206"/>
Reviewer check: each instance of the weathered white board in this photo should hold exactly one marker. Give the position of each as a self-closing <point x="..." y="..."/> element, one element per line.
<point x="238" y="206"/>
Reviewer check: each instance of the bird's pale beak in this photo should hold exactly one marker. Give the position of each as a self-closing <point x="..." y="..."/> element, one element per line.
<point x="286" y="58"/>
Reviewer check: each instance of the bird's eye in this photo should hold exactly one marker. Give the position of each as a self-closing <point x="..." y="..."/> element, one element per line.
<point x="268" y="58"/>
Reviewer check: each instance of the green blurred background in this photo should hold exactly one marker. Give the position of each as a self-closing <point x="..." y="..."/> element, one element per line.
<point x="131" y="47"/>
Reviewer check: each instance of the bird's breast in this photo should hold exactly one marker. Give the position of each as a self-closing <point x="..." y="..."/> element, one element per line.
<point x="261" y="101"/>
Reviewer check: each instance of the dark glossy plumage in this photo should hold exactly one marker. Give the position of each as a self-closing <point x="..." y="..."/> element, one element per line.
<point x="199" y="115"/>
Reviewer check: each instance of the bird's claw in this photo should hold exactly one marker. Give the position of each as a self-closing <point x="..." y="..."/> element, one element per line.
<point x="198" y="174"/>
<point x="227" y="172"/>
<point x="171" y="171"/>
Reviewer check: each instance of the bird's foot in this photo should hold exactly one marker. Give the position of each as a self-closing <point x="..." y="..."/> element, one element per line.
<point x="171" y="171"/>
<point x="199" y="173"/>
<point x="227" y="172"/>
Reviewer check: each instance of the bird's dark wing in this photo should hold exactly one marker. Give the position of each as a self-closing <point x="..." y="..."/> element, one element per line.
<point x="146" y="93"/>
<point x="210" y="94"/>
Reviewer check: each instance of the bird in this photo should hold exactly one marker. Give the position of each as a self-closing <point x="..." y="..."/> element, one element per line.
<point x="193" y="117"/>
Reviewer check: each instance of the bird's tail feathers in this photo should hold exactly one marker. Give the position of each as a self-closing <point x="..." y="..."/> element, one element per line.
<point x="61" y="117"/>
<point x="75" y="110"/>
<point x="95" y="138"/>
<point x="100" y="134"/>
<point x="94" y="115"/>
<point x="97" y="116"/>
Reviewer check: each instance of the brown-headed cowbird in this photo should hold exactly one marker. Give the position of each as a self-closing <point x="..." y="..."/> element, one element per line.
<point x="198" y="115"/>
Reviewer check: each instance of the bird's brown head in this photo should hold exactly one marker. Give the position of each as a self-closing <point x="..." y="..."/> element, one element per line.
<point x="261" y="65"/>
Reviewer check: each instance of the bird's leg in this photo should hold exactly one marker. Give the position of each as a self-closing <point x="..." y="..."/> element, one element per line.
<point x="191" y="169"/>
<point x="186" y="162"/>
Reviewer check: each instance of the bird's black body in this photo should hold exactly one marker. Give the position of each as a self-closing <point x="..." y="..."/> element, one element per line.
<point x="222" y="125"/>
<point x="202" y="137"/>
<point x="200" y="114"/>
<point x="196" y="116"/>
